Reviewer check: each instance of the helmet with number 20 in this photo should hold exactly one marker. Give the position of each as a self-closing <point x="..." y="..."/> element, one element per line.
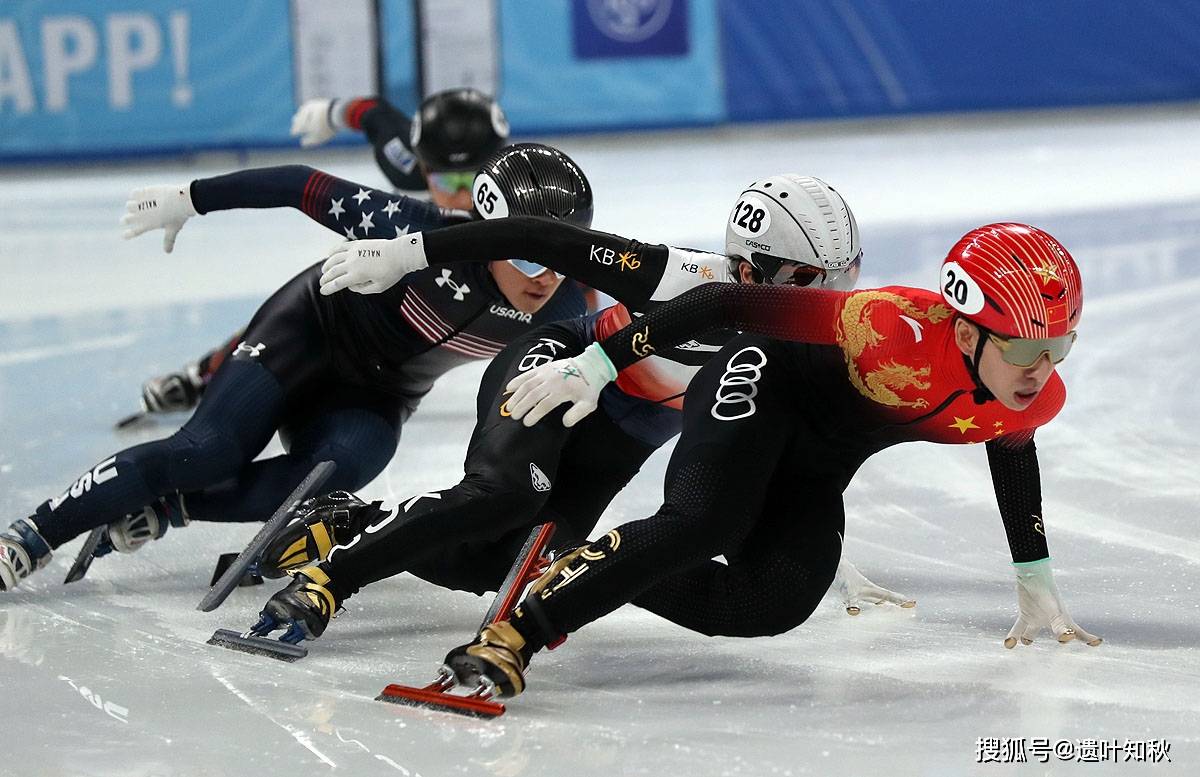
<point x="794" y="229"/>
<point x="1013" y="280"/>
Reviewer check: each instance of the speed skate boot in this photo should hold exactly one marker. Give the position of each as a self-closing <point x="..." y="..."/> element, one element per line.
<point x="173" y="391"/>
<point x="496" y="660"/>
<point x="498" y="657"/>
<point x="304" y="608"/>
<point x="317" y="525"/>
<point x="22" y="552"/>
<point x="132" y="532"/>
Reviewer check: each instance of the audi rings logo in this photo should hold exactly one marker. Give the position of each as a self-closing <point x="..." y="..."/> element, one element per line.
<point x="739" y="385"/>
<point x="629" y="21"/>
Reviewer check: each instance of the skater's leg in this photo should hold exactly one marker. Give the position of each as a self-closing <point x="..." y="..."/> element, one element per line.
<point x="356" y="429"/>
<point x="284" y="349"/>
<point x="235" y="421"/>
<point x="774" y="581"/>
<point x="597" y="461"/>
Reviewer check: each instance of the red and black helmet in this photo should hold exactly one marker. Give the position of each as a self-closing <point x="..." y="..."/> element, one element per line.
<point x="1013" y="280"/>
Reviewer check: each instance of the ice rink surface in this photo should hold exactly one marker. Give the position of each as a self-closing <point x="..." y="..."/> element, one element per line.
<point x="111" y="676"/>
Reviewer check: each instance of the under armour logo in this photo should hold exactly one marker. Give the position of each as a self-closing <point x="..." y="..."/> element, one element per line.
<point x="461" y="290"/>
<point x="250" y="351"/>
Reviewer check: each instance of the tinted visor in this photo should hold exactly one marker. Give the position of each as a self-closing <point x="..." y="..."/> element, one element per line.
<point x="1025" y="352"/>
<point x="778" y="271"/>
<point x="452" y="181"/>
<point x="784" y="272"/>
<point x="530" y="269"/>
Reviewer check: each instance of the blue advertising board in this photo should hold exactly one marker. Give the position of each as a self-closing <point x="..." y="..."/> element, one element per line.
<point x="653" y="28"/>
<point x="565" y="66"/>
<point x="818" y="58"/>
<point x="88" y="76"/>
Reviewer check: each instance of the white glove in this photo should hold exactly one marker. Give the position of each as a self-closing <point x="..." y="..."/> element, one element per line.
<point x="372" y="266"/>
<point x="856" y="590"/>
<point x="158" y="207"/>
<point x="316" y="121"/>
<point x="577" y="380"/>
<point x="1040" y="606"/>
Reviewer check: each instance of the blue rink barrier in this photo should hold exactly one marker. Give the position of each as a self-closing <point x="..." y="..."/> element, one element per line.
<point x="124" y="77"/>
<point x="789" y="59"/>
<point x="578" y="65"/>
<point x="142" y="76"/>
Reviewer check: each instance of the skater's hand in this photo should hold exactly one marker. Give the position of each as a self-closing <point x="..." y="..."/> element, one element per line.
<point x="856" y="590"/>
<point x="1040" y="606"/>
<point x="372" y="266"/>
<point x="577" y="380"/>
<point x="158" y="207"/>
<point x="315" y="122"/>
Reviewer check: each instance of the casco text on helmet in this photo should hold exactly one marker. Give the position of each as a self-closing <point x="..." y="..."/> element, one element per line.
<point x="531" y="179"/>
<point x="1014" y="280"/>
<point x="795" y="218"/>
<point x="457" y="129"/>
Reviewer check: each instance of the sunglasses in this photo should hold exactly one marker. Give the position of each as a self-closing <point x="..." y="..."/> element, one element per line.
<point x="452" y="181"/>
<point x="784" y="272"/>
<point x="1025" y="352"/>
<point x="531" y="269"/>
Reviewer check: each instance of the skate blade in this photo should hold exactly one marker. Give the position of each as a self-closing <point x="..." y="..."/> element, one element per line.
<point x="136" y="419"/>
<point x="473" y="706"/>
<point x="258" y="646"/>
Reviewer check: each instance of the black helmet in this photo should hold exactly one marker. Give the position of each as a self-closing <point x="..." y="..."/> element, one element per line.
<point x="457" y="129"/>
<point x="530" y="179"/>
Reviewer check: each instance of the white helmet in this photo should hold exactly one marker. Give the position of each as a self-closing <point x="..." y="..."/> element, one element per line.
<point x="795" y="229"/>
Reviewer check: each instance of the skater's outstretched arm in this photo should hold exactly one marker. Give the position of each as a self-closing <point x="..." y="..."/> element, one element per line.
<point x="1017" y="480"/>
<point x="344" y="207"/>
<point x="627" y="270"/>
<point x="784" y="312"/>
<point x="387" y="128"/>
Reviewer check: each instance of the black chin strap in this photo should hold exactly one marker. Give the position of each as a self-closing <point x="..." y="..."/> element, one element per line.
<point x="981" y="393"/>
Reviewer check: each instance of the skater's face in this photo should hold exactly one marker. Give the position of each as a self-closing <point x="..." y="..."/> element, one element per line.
<point x="1014" y="387"/>
<point x="450" y="190"/>
<point x="524" y="293"/>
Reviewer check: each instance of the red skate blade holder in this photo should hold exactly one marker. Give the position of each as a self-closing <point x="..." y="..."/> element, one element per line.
<point x="437" y="696"/>
<point x="531" y="562"/>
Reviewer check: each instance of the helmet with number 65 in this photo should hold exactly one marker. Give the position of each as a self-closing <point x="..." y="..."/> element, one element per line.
<point x="530" y="179"/>
<point x="797" y="230"/>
